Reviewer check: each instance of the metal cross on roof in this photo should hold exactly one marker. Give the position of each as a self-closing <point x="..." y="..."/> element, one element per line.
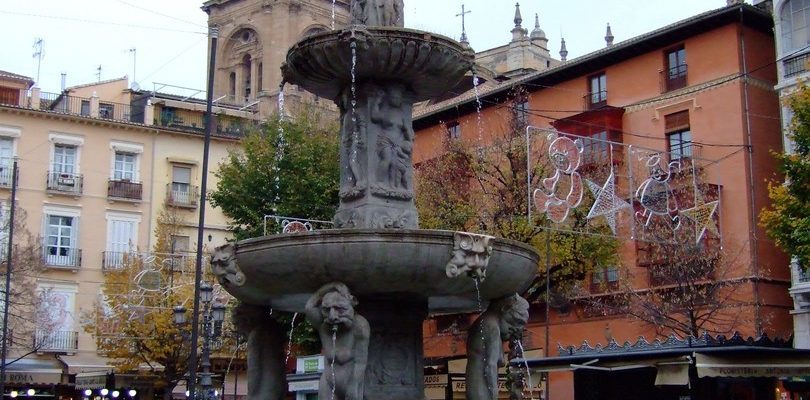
<point x="463" y="13"/>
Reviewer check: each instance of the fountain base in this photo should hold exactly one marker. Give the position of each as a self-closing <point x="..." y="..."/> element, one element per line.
<point x="395" y="357"/>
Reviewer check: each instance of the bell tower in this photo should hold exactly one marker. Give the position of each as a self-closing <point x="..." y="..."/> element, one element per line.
<point x="254" y="36"/>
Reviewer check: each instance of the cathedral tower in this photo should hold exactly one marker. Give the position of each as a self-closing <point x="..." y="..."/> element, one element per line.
<point x="254" y="36"/>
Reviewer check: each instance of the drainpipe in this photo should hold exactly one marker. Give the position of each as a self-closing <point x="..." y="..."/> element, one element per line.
<point x="753" y="240"/>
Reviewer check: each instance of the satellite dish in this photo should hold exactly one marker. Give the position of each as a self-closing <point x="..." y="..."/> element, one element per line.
<point x="135" y="86"/>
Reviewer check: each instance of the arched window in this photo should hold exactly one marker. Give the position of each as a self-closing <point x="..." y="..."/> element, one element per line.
<point x="246" y="67"/>
<point x="795" y="21"/>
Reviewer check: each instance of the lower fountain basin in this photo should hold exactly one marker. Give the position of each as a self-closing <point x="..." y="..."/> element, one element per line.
<point x="284" y="270"/>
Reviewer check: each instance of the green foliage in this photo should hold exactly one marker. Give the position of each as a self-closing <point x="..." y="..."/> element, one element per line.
<point x="787" y="221"/>
<point x="297" y="177"/>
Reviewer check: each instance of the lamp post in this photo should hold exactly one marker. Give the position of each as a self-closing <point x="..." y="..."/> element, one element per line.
<point x="213" y="313"/>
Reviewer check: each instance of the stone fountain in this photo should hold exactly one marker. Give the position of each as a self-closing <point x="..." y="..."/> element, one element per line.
<point x="368" y="285"/>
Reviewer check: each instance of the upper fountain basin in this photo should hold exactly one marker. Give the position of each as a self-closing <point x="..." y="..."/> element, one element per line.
<point x="284" y="270"/>
<point x="429" y="64"/>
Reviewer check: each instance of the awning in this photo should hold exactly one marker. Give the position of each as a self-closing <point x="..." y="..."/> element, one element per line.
<point x="781" y="365"/>
<point x="31" y="372"/>
<point x="92" y="380"/>
<point x="81" y="363"/>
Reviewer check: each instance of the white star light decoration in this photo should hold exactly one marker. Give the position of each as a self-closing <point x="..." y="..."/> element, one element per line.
<point x="703" y="216"/>
<point x="606" y="204"/>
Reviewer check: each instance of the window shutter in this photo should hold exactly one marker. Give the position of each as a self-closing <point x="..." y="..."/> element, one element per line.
<point x="677" y="121"/>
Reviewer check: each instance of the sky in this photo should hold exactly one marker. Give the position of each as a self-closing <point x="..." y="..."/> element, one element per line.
<point x="170" y="44"/>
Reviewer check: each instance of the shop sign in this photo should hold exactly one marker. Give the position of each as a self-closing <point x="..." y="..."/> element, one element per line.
<point x="461" y="385"/>
<point x="435" y="379"/>
<point x="23" y="377"/>
<point x="303" y="386"/>
<point x="91" y="381"/>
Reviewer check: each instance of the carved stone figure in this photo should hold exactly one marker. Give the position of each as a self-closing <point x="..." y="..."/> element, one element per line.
<point x="353" y="146"/>
<point x="265" y="351"/>
<point x="344" y="337"/>
<point x="504" y="320"/>
<point x="470" y="255"/>
<point x="223" y="265"/>
<point x="378" y="12"/>
<point x="394" y="142"/>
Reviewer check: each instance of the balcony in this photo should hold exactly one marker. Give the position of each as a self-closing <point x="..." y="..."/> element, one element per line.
<point x="6" y="172"/>
<point x="56" y="341"/>
<point x="124" y="189"/>
<point x="182" y="195"/>
<point x="594" y="100"/>
<point x="65" y="183"/>
<point x="795" y="65"/>
<point x="800" y="285"/>
<point x="61" y="257"/>
<point x="674" y="78"/>
<point x="116" y="260"/>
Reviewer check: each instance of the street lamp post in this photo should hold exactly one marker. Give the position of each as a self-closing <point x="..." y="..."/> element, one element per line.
<point x="213" y="313"/>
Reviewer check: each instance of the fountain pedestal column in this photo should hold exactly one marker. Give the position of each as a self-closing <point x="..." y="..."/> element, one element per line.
<point x="376" y="174"/>
<point x="395" y="361"/>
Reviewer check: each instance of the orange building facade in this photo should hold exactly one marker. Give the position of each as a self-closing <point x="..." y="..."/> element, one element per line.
<point x="707" y="81"/>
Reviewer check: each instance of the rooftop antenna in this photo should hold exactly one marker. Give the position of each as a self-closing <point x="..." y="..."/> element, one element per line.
<point x="38" y="55"/>
<point x="463" y="27"/>
<point x="98" y="72"/>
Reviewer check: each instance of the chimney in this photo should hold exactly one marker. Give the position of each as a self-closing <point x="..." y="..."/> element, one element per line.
<point x="64" y="81"/>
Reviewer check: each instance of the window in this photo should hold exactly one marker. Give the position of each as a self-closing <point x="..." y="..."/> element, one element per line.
<point x="604" y="277"/>
<point x="679" y="135"/>
<point x="675" y="69"/>
<point x="181" y="193"/>
<point x="56" y="317"/>
<point x="595" y="148"/>
<point x="522" y="113"/>
<point x="180" y="244"/>
<point x="795" y="22"/>
<point x="453" y="130"/>
<point x="124" y="168"/>
<point x="259" y="80"/>
<point x="232" y="84"/>
<point x="106" y="110"/>
<point x="6" y="160"/>
<point x="60" y="240"/>
<point x="680" y="144"/>
<point x="64" y="159"/>
<point x="597" y="90"/>
<point x="246" y="69"/>
<point x="122" y="237"/>
<point x="85" y="108"/>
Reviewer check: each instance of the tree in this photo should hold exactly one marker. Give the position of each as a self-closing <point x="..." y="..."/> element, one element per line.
<point x="690" y="288"/>
<point x="29" y="330"/>
<point x="484" y="189"/>
<point x="133" y="320"/>
<point x="787" y="220"/>
<point x="288" y="168"/>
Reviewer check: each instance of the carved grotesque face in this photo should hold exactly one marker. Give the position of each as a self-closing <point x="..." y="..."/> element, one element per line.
<point x="513" y="321"/>
<point x="336" y="309"/>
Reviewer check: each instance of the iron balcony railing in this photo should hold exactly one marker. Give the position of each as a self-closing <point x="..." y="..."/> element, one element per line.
<point x="195" y="123"/>
<point x="182" y="195"/>
<point x="674" y="78"/>
<point x="65" y="182"/>
<point x="115" y="111"/>
<point x="61" y="257"/>
<point x="63" y="103"/>
<point x="6" y="172"/>
<point x="124" y="189"/>
<point x="56" y="341"/>
<point x="177" y="262"/>
<point x="795" y="65"/>
<point x="802" y="275"/>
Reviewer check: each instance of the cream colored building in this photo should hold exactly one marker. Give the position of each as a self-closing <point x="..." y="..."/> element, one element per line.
<point x="97" y="163"/>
